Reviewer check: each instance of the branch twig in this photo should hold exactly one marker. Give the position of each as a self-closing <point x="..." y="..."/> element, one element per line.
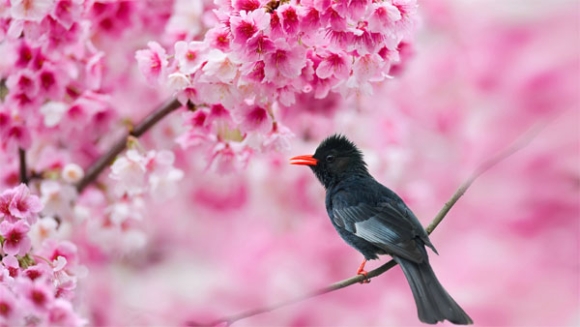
<point x="22" y="164"/>
<point x="516" y="146"/>
<point x="140" y="129"/>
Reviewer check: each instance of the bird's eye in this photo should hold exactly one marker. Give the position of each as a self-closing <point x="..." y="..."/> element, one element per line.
<point x="329" y="158"/>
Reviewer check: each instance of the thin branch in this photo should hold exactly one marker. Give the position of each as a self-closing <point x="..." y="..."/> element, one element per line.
<point x="22" y="168"/>
<point x="516" y="146"/>
<point x="140" y="129"/>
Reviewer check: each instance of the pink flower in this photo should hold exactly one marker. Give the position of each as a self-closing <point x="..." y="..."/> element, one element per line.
<point x="220" y="116"/>
<point x="94" y="71"/>
<point x="289" y="18"/>
<point x="5" y="199"/>
<point x="16" y="136"/>
<point x="284" y="62"/>
<point x="310" y="20"/>
<point x="246" y="5"/>
<point x="16" y="240"/>
<point x="10" y="313"/>
<point x="177" y="81"/>
<point x="37" y="294"/>
<point x="129" y="170"/>
<point x="335" y="22"/>
<point x="224" y="93"/>
<point x="334" y="65"/>
<point x="253" y="118"/>
<point x="190" y="56"/>
<point x="25" y="54"/>
<point x="357" y="8"/>
<point x="11" y="264"/>
<point x="152" y="62"/>
<point x="45" y="228"/>
<point x="72" y="173"/>
<point x="24" y="82"/>
<point x="53" y="112"/>
<point x="51" y="82"/>
<point x="278" y="139"/>
<point x="163" y="175"/>
<point x="24" y="205"/>
<point x="53" y="249"/>
<point x="66" y="12"/>
<point x="32" y="10"/>
<point x="253" y="71"/>
<point x="219" y="67"/>
<point x="227" y="158"/>
<point x="247" y="25"/>
<point x="366" y="69"/>
<point x="186" y="19"/>
<point x="256" y="47"/>
<point x="186" y="94"/>
<point x="383" y="16"/>
<point x="57" y="198"/>
<point x="218" y="38"/>
<point x="61" y="313"/>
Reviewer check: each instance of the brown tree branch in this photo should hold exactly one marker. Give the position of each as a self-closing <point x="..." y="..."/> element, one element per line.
<point x="106" y="159"/>
<point x="516" y="146"/>
<point x="22" y="166"/>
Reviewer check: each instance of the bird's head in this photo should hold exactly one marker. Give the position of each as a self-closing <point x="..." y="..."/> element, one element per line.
<point x="334" y="159"/>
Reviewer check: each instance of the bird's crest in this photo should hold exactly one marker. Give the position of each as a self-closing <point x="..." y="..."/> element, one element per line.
<point x="341" y="144"/>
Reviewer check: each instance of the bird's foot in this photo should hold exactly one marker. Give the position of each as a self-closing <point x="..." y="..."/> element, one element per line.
<point x="361" y="271"/>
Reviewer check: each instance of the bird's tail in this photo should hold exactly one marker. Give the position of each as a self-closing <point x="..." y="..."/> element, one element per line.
<point x="434" y="304"/>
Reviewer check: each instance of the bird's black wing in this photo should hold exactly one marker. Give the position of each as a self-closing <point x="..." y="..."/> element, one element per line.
<point x="388" y="225"/>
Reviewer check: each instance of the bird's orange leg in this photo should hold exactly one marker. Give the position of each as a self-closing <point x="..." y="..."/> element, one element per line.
<point x="361" y="271"/>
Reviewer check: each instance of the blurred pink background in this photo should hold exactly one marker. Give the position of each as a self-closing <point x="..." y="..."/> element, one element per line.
<point x="480" y="74"/>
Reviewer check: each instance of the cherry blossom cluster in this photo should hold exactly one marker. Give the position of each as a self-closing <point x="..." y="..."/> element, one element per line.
<point x="261" y="55"/>
<point x="52" y="73"/>
<point x="36" y="284"/>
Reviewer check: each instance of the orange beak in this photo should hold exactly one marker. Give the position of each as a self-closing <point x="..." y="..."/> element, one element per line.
<point x="307" y="160"/>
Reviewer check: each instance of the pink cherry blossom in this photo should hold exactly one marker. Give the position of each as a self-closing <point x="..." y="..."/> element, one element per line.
<point x="185" y="19"/>
<point x="16" y="136"/>
<point x="253" y="118"/>
<point x="53" y="112"/>
<point x="129" y="172"/>
<point x="384" y="15"/>
<point x="10" y="312"/>
<point x="56" y="198"/>
<point x="219" y="67"/>
<point x="289" y="19"/>
<point x="33" y="10"/>
<point x="177" y="81"/>
<point x="190" y="55"/>
<point x="152" y="62"/>
<point x="247" y="25"/>
<point x="24" y="82"/>
<point x="72" y="173"/>
<point x="226" y="158"/>
<point x="163" y="175"/>
<point x="62" y="313"/>
<point x="24" y="205"/>
<point x="37" y="295"/>
<point x="279" y="139"/>
<point x="219" y="39"/>
<point x="334" y="64"/>
<point x="16" y="240"/>
<point x="284" y="62"/>
<point x="66" y="12"/>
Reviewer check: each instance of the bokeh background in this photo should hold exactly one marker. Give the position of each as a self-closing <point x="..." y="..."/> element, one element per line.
<point x="479" y="76"/>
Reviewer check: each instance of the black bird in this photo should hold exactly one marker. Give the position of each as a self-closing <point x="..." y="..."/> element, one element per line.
<point x="374" y="220"/>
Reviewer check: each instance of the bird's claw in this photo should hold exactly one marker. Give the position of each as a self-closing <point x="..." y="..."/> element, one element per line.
<point x="365" y="274"/>
<point x="361" y="271"/>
